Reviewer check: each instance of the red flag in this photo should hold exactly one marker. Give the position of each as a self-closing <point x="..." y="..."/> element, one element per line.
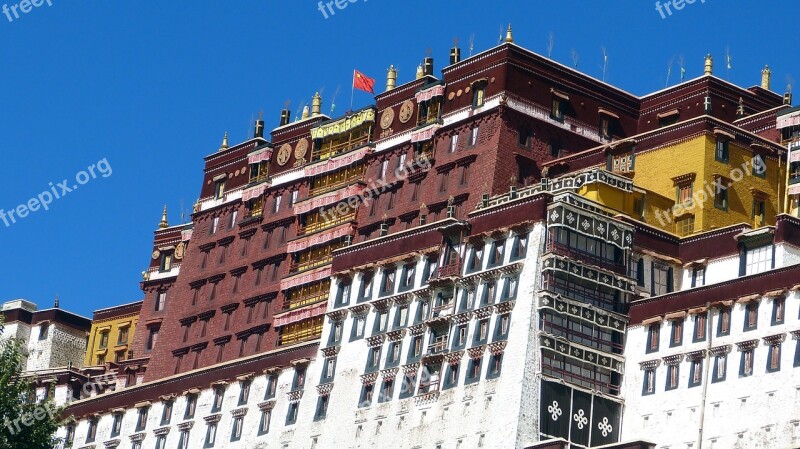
<point x="363" y="82"/>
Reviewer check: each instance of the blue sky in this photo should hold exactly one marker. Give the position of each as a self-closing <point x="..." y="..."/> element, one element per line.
<point x="152" y="86"/>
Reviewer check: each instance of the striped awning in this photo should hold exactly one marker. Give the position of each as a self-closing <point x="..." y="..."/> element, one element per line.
<point x="337" y="162"/>
<point x="320" y="238"/>
<point x="427" y="94"/>
<point x="424" y="134"/>
<point x="787" y="120"/>
<point x="300" y="314"/>
<point x="254" y="192"/>
<point x="261" y="155"/>
<point x="306" y="277"/>
<point x="327" y="199"/>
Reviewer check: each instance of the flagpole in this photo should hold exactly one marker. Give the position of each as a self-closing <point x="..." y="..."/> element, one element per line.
<point x="352" y="90"/>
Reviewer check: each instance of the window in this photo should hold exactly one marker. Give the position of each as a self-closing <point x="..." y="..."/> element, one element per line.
<point x="519" y="247"/>
<point x="191" y="405"/>
<point x="401" y="317"/>
<point x="696" y="373"/>
<point x="700" y="323"/>
<point x="661" y="279"/>
<point x="721" y="153"/>
<point x="166" y="261"/>
<point x="116" y="426"/>
<point x="359" y="324"/>
<point x="236" y="428"/>
<point x="232" y="221"/>
<point x="407" y="279"/>
<point x="211" y="434"/>
<point x="414" y="191"/>
<point x="510" y="288"/>
<point x="272" y="386"/>
<point x="443" y="180"/>
<point x="161" y="301"/>
<point x="219" y="396"/>
<point x="720" y="367"/>
<point x="293" y="198"/>
<point x="152" y="338"/>
<point x="70" y="438"/>
<point x="557" y="109"/>
<point x="774" y="358"/>
<point x="653" y="335"/>
<point x="649" y="386"/>
<point x="495" y="366"/>
<point x="387" y="391"/>
<point x="464" y="175"/>
<point x="685" y="225"/>
<point x="496" y="254"/>
<point x="219" y="188"/>
<point x="451" y="377"/>
<point x="478" y="95"/>
<point x="677" y="333"/>
<point x="161" y="442"/>
<point x="454" y="143"/>
<point x="244" y="392"/>
<point x="263" y="423"/>
<point x="387" y="285"/>
<point x="460" y="340"/>
<point x="482" y="332"/>
<point x="374" y="359"/>
<point x="501" y="331"/>
<point x="166" y="413"/>
<point x="751" y="316"/>
<point x="724" y="327"/>
<point x="415" y="350"/>
<point x="698" y="276"/>
<point x="409" y="381"/>
<point x="384" y="168"/>
<point x="473" y="371"/>
<point x="103" y="340"/>
<point x="91" y="433"/>
<point x="343" y="294"/>
<point x="746" y="364"/>
<point x="122" y="337"/>
<point x="183" y="441"/>
<point x="604" y="128"/>
<point x="393" y="357"/>
<point x="523" y="137"/>
<point x="473" y="136"/>
<point x="366" y="396"/>
<point x="721" y="194"/>
<point x="322" y="408"/>
<point x="381" y="323"/>
<point x="366" y="286"/>
<point x="638" y="272"/>
<point x="141" y="419"/>
<point x="299" y="381"/>
<point x="759" y="166"/>
<point x="758" y="260"/>
<point x="759" y="212"/>
<point x="329" y="369"/>
<point x="476" y="259"/>
<point x="214" y="225"/>
<point x="778" y="306"/>
<point x="672" y="377"/>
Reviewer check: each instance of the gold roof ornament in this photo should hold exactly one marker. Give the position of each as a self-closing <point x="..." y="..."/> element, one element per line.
<point x="420" y="72"/>
<point x="391" y="78"/>
<point x="766" y="78"/>
<point x="306" y="113"/>
<point x="224" y="145"/>
<point x="163" y="224"/>
<point x="316" y="105"/>
<point x="709" y="65"/>
<point x="509" y="35"/>
<point x="740" y="108"/>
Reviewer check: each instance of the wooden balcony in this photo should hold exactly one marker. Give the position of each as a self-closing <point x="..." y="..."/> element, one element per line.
<point x="331" y="150"/>
<point x="591" y="259"/>
<point x="292" y="303"/>
<point x="314" y="191"/>
<point x="325" y="224"/>
<point x="297" y="267"/>
<point x="452" y="269"/>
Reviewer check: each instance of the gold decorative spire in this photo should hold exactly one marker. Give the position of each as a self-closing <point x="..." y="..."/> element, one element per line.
<point x="391" y="78"/>
<point x="164" y="223"/>
<point x="420" y="71"/>
<point x="709" y="66"/>
<point x="224" y="145"/>
<point x="316" y="105"/>
<point x="509" y="35"/>
<point x="306" y="113"/>
<point x="766" y="78"/>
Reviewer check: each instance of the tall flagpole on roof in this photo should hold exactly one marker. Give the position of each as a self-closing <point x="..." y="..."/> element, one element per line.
<point x="352" y="90"/>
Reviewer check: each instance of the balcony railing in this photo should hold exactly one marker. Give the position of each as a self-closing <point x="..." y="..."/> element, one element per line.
<point x="581" y="256"/>
<point x="450" y="270"/>
<point x="329" y="151"/>
<point x="296" y="267"/>
<point x="319" y="190"/>
<point x="304" y="300"/>
<point x="439" y="345"/>
<point x="325" y="224"/>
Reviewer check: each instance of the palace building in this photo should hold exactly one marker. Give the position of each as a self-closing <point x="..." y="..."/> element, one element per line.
<point x="512" y="254"/>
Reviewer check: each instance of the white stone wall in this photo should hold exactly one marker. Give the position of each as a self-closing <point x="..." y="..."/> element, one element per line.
<point x="760" y="411"/>
<point x="497" y="413"/>
<point x="61" y="345"/>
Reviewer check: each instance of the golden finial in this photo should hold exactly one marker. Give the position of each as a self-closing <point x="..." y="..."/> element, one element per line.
<point x="391" y="78"/>
<point x="740" y="108"/>
<point x="306" y="113"/>
<point x="420" y="72"/>
<point x="164" y="223"/>
<point x="766" y="78"/>
<point x="709" y="66"/>
<point x="509" y="36"/>
<point x="224" y="145"/>
<point x="316" y="105"/>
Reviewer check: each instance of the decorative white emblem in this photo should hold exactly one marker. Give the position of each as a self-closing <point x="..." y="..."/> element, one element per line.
<point x="554" y="216"/>
<point x="585" y="224"/>
<point x="600" y="228"/>
<point x="570" y="218"/>
<point x="555" y="411"/>
<point x="581" y="419"/>
<point x="614" y="234"/>
<point x="605" y="427"/>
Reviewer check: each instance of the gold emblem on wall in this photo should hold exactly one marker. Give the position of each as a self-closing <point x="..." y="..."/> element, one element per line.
<point x="180" y="250"/>
<point x="387" y="118"/>
<point x="284" y="153"/>
<point x="406" y="111"/>
<point x="156" y="254"/>
<point x="300" y="149"/>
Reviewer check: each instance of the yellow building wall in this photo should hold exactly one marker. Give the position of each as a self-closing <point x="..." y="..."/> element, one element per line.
<point x="639" y="205"/>
<point x="113" y="327"/>
<point x="655" y="169"/>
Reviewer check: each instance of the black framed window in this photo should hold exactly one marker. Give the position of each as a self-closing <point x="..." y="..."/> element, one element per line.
<point x="649" y="382"/>
<point x="720" y="368"/>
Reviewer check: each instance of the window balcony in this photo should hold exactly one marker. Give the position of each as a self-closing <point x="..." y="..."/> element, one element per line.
<point x="331" y="149"/>
<point x="296" y="267"/>
<point x="325" y="224"/>
<point x="452" y="269"/>
<point x="588" y="258"/>
<point x="330" y="187"/>
<point x="439" y="345"/>
<point x="304" y="300"/>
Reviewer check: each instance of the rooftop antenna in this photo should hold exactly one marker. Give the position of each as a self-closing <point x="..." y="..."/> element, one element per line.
<point x="575" y="58"/>
<point x="551" y="42"/>
<point x="605" y="63"/>
<point x="333" y="99"/>
<point x="471" y="44"/>
<point x="669" y="70"/>
<point x="728" y="61"/>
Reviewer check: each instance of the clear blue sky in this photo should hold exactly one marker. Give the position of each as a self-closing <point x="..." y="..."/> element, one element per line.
<point x="152" y="86"/>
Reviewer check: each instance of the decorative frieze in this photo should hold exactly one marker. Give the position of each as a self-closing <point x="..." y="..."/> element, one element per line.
<point x="747" y="345"/>
<point x="416" y="330"/>
<point x="454" y="358"/>
<point x="369" y="378"/>
<point x="573" y="350"/>
<point x="581" y="311"/>
<point x="411" y="368"/>
<point x="650" y="364"/>
<point x="111" y="444"/>
<point x="673" y="359"/>
<point x="137" y="437"/>
<point x="360" y="310"/>
<point x="213" y="419"/>
<point x="590" y="224"/>
<point x="161" y="431"/>
<point x="496" y="347"/>
<point x="376" y="340"/>
<point x="696" y="355"/>
<point x="330" y="351"/>
<point x="325" y="389"/>
<point x="337" y="316"/>
<point x="267" y="405"/>
<point x="484" y="312"/>
<point x="476" y="352"/>
<point x="505" y="307"/>
<point x="461" y="318"/>
<point x="553" y="262"/>
<point x="720" y="350"/>
<point x="396" y="335"/>
<point x="389" y="374"/>
<point x="294" y="396"/>
<point x="773" y="340"/>
<point x="184" y="426"/>
<point x="238" y="412"/>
